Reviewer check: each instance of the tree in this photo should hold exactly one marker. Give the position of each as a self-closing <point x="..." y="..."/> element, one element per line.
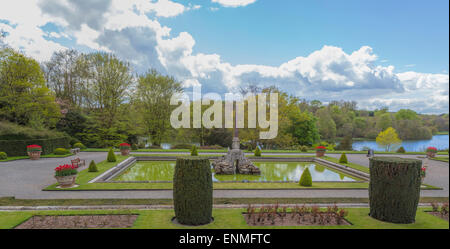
<point x="325" y="124"/>
<point x="304" y="128"/>
<point x="406" y="114"/>
<point x="154" y="92"/>
<point x="384" y="121"/>
<point x="388" y="139"/>
<point x="111" y="156"/>
<point x="24" y="98"/>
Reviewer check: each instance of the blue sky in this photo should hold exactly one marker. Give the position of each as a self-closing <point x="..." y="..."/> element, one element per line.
<point x="378" y="53"/>
<point x="404" y="33"/>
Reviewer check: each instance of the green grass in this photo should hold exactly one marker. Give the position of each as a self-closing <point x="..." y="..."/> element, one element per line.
<point x="442" y="159"/>
<point x="350" y="165"/>
<point x="11" y="201"/>
<point x="231" y="219"/>
<point x="441" y="133"/>
<point x="14" y="158"/>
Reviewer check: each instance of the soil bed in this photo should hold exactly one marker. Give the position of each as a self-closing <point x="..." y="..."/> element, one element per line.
<point x="438" y="214"/>
<point x="294" y="219"/>
<point x="78" y="222"/>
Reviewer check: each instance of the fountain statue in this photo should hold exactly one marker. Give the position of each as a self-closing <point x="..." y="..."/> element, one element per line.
<point x="235" y="162"/>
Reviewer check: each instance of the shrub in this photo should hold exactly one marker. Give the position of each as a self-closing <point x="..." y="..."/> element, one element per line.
<point x="134" y="147"/>
<point x="61" y="151"/>
<point x="304" y="148"/>
<point x="93" y="167"/>
<point x="79" y="145"/>
<point x="194" y="151"/>
<point x="3" y="156"/>
<point x="193" y="191"/>
<point x="257" y="151"/>
<point x="343" y="158"/>
<point x="394" y="189"/>
<point x="181" y="146"/>
<point x="306" y="178"/>
<point x="111" y="156"/>
<point x="401" y="150"/>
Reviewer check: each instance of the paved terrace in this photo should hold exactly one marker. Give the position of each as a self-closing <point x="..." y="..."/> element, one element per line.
<point x="25" y="179"/>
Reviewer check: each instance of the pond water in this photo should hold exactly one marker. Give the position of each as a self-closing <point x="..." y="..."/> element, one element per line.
<point x="270" y="171"/>
<point x="438" y="141"/>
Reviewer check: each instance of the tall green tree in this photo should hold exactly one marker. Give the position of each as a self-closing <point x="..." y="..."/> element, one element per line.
<point x="325" y="124"/>
<point x="154" y="92"/>
<point x="24" y="97"/>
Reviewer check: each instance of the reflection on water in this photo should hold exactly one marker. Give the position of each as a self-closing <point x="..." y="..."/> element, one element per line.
<point x="438" y="141"/>
<point x="270" y="171"/>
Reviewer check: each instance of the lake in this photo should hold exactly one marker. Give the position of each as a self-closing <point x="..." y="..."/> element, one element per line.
<point x="438" y="141"/>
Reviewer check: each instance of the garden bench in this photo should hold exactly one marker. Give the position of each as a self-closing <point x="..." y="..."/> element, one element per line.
<point x="78" y="162"/>
<point x="75" y="151"/>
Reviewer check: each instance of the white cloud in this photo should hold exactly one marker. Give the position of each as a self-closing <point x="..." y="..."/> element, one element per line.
<point x="234" y="3"/>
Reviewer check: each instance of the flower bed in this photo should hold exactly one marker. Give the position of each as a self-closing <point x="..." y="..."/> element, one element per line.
<point x="66" y="175"/>
<point x="78" y="222"/>
<point x="297" y="216"/>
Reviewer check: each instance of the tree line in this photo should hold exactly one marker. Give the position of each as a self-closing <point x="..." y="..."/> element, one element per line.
<point x="98" y="100"/>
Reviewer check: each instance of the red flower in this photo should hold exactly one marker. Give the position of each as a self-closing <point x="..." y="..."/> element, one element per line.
<point x="321" y="147"/>
<point x="432" y="149"/>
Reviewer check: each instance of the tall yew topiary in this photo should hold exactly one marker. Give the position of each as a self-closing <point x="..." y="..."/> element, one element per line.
<point x="93" y="167"/>
<point x="258" y="151"/>
<point x="306" y="178"/>
<point x="193" y="191"/>
<point x="343" y="158"/>
<point x="194" y="151"/>
<point x="111" y="156"/>
<point x="394" y="189"/>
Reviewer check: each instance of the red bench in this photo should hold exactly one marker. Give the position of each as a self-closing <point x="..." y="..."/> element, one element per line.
<point x="78" y="162"/>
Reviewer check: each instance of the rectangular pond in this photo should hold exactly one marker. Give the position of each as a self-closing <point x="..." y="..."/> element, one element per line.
<point x="162" y="171"/>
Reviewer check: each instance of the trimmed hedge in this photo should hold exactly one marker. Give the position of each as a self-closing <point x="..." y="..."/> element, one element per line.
<point x="193" y="191"/>
<point x="93" y="167"/>
<point x="343" y="158"/>
<point x="306" y="178"/>
<point x="394" y="189"/>
<point x="111" y="156"/>
<point x="61" y="151"/>
<point x="194" y="151"/>
<point x="80" y="146"/>
<point x="3" y="156"/>
<point x="258" y="151"/>
<point x="19" y="147"/>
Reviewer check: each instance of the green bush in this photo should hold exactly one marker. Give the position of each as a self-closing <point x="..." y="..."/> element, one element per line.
<point x="394" y="189"/>
<point x="19" y="147"/>
<point x="306" y="178"/>
<point x="257" y="151"/>
<point x="79" y="145"/>
<point x="93" y="167"/>
<point x="401" y="150"/>
<point x="111" y="156"/>
<point x="193" y="191"/>
<point x="304" y="148"/>
<point x="194" y="151"/>
<point x="3" y="156"/>
<point x="61" y="151"/>
<point x="343" y="158"/>
<point x="134" y="147"/>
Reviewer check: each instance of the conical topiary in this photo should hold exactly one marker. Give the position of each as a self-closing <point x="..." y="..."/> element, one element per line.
<point x="306" y="179"/>
<point x="93" y="167"/>
<point x="401" y="150"/>
<point x="257" y="151"/>
<point x="194" y="151"/>
<point x="111" y="156"/>
<point x="343" y="158"/>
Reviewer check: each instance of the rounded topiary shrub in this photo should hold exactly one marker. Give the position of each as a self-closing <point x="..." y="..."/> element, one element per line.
<point x="194" y="151"/>
<point x="394" y="189"/>
<point x="111" y="156"/>
<point x="257" y="151"/>
<point x="93" y="167"/>
<point x="61" y="151"/>
<point x="401" y="150"/>
<point x="306" y="178"/>
<point x="193" y="191"/>
<point x="3" y="156"/>
<point x="343" y="158"/>
<point x="79" y="145"/>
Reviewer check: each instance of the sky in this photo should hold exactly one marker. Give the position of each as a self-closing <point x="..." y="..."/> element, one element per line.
<point x="378" y="53"/>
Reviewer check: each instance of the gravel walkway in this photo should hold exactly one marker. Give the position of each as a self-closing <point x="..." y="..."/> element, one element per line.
<point x="24" y="179"/>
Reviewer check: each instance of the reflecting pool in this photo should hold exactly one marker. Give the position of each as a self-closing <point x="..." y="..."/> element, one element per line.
<point x="270" y="171"/>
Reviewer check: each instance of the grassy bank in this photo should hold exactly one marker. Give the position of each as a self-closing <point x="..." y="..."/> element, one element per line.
<point x="232" y="219"/>
<point x="15" y="158"/>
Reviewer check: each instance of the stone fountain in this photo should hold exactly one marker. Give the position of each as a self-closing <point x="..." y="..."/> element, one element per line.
<point x="235" y="162"/>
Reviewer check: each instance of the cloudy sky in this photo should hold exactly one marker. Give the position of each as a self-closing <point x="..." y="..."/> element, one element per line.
<point x="378" y="53"/>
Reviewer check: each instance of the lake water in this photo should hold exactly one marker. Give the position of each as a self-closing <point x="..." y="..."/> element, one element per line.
<point x="270" y="171"/>
<point x="438" y="141"/>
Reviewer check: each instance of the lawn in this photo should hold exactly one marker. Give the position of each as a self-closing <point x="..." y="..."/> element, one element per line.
<point x="231" y="219"/>
<point x="14" y="158"/>
<point x="84" y="177"/>
<point x="442" y="159"/>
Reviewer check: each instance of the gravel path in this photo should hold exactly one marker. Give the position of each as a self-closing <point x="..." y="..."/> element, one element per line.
<point x="24" y="179"/>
